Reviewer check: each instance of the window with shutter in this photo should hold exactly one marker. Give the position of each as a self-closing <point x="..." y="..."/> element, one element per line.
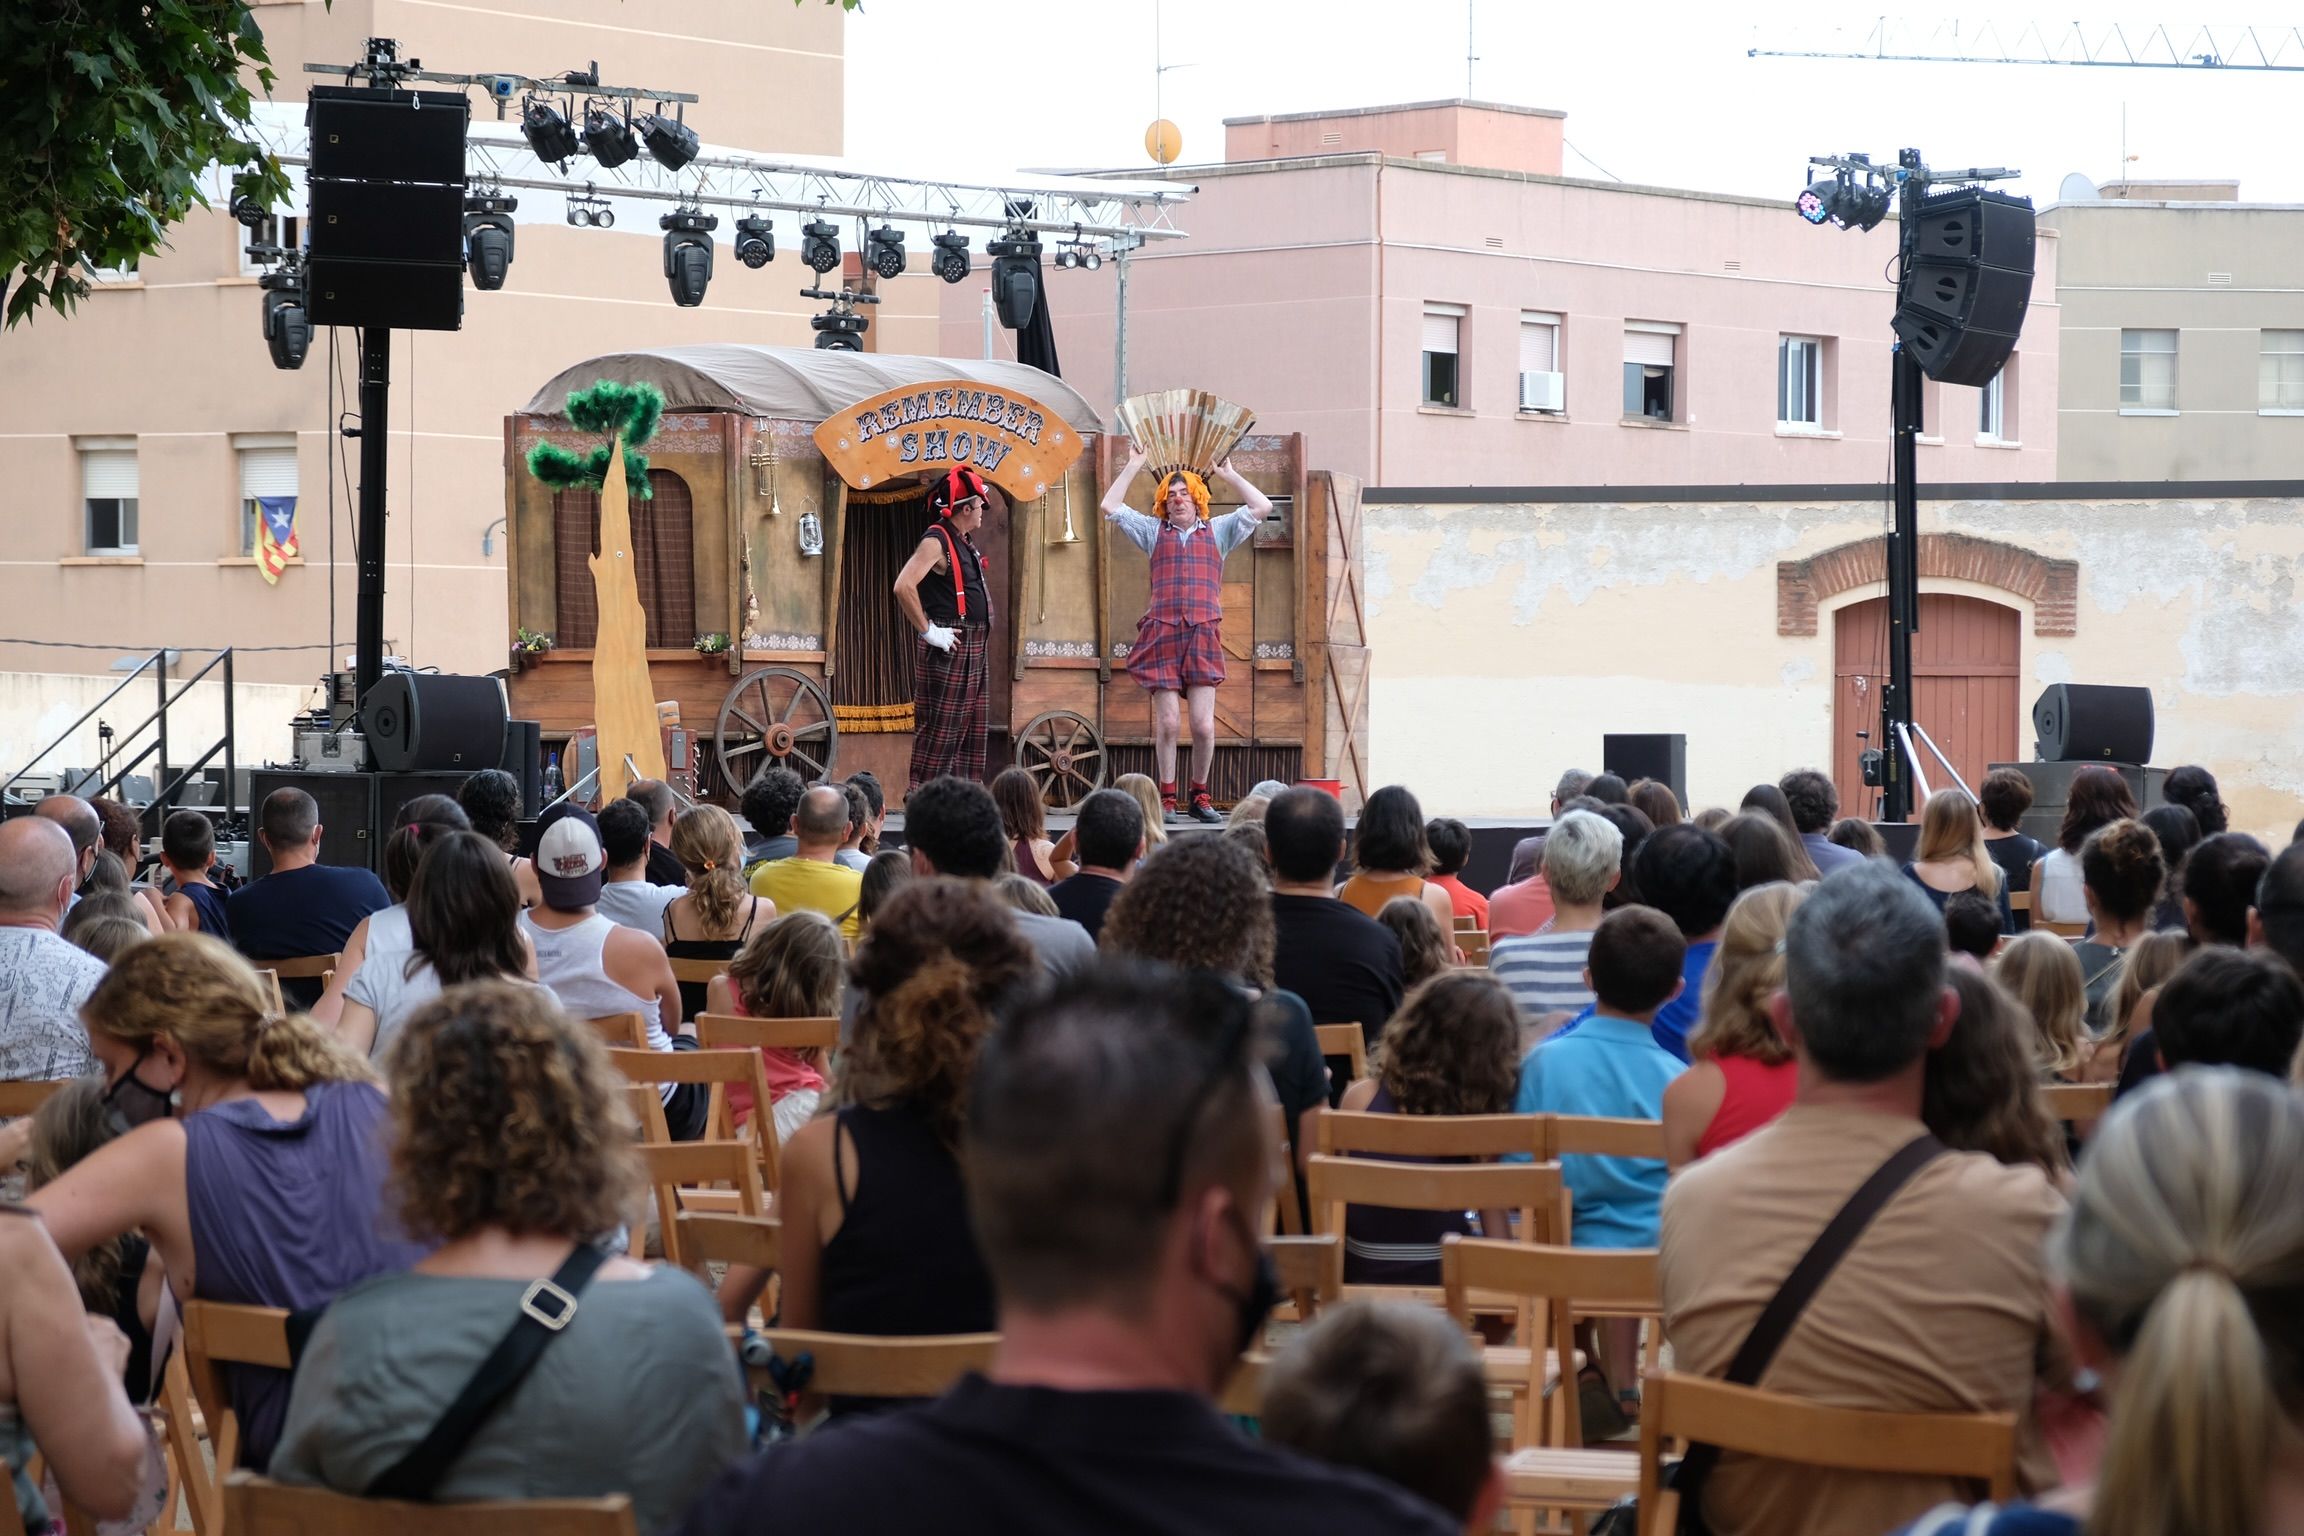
<point x="1650" y="349"/>
<point x="1541" y="386"/>
<point x="268" y="471"/>
<point x="1443" y="339"/>
<point x="2280" y="372"/>
<point x="108" y="499"/>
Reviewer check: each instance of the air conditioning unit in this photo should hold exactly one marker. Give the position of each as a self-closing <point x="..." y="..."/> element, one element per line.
<point x="1543" y="392"/>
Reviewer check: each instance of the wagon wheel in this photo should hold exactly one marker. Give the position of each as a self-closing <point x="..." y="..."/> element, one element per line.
<point x="775" y="717"/>
<point x="1064" y="755"/>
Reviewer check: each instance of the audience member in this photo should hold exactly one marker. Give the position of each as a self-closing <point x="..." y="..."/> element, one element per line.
<point x="2128" y="1013"/>
<point x="1118" y="1169"/>
<point x="1812" y="803"/>
<point x="1523" y="903"/>
<point x="1609" y="789"/>
<point x="1764" y="852"/>
<point x="1972" y="925"/>
<point x="1396" y="1391"/>
<point x="1634" y="827"/>
<point x="1343" y="963"/>
<point x="82" y="824"/>
<point x="2003" y="798"/>
<point x="875" y="1219"/>
<point x="507" y="1155"/>
<point x="43" y="979"/>
<point x="2194" y="788"/>
<point x="2219" y="886"/>
<point x="2179" y="832"/>
<point x="1390" y="858"/>
<point x="889" y="871"/>
<point x="1109" y="834"/>
<point x="1265" y="789"/>
<point x="252" y="1156"/>
<point x="792" y="969"/>
<point x="867" y="783"/>
<point x="1250" y="836"/>
<point x="1024" y="818"/>
<point x="863" y="822"/>
<point x="188" y="852"/>
<point x="2121" y="875"/>
<point x="628" y="893"/>
<point x="416" y="827"/>
<point x="118" y="1278"/>
<point x="1981" y="1089"/>
<point x="2229" y="1008"/>
<point x="1249" y="808"/>
<point x="2096" y="797"/>
<point x="657" y="802"/>
<point x="1858" y="836"/>
<point x="1583" y="860"/>
<point x="1655" y="801"/>
<point x="1450" y="842"/>
<point x="1425" y="948"/>
<point x="769" y="803"/>
<point x="954" y="829"/>
<point x="463" y="926"/>
<point x="491" y="799"/>
<point x="1713" y="817"/>
<point x="123" y="836"/>
<point x="1142" y="788"/>
<point x="1690" y="876"/>
<point x="302" y="907"/>
<point x="1024" y="894"/>
<point x="2042" y="974"/>
<point x="811" y="878"/>
<point x="60" y="1394"/>
<point x="1740" y="1072"/>
<point x="2175" y="1270"/>
<point x="717" y="914"/>
<point x="104" y="934"/>
<point x="1953" y="1259"/>
<point x="1452" y="1049"/>
<point x="1952" y="856"/>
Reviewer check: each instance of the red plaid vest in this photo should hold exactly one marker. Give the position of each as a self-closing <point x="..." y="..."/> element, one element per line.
<point x="1187" y="578"/>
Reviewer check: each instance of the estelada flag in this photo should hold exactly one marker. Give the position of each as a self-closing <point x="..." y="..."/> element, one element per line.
<point x="275" y="535"/>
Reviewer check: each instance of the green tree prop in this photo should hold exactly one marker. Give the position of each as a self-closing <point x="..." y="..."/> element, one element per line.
<point x="627" y="411"/>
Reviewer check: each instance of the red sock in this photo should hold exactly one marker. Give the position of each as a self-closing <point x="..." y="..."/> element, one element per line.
<point x="1198" y="789"/>
<point x="1168" y="793"/>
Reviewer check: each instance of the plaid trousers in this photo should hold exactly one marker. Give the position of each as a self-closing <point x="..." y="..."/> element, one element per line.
<point x="948" y="707"/>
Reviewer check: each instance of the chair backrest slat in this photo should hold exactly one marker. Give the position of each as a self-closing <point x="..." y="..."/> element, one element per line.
<point x="710" y="1237"/>
<point x="26" y="1097"/>
<point x="2076" y="1101"/>
<point x="303" y="966"/>
<point x="1336" y="1131"/>
<point x="1347" y="1040"/>
<point x="735" y="1029"/>
<point x="698" y="970"/>
<point x="859" y="1365"/>
<point x="1599" y="1136"/>
<point x="256" y="1506"/>
<point x="626" y="1030"/>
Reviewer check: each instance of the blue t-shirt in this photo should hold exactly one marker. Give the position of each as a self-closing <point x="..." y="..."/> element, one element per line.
<point x="307" y="911"/>
<point x="1992" y="1520"/>
<point x="1609" y="1067"/>
<point x="1676" y="1018"/>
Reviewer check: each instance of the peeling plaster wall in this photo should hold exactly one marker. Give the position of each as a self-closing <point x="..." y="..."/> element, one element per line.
<point x="1542" y="627"/>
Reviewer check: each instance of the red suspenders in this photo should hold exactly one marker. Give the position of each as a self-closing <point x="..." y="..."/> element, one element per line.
<point x="952" y="558"/>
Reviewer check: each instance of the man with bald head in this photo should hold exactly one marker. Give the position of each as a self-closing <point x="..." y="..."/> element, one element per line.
<point x="813" y="879"/>
<point x="86" y="829"/>
<point x="43" y="980"/>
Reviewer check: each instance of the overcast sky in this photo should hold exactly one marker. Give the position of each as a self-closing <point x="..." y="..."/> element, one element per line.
<point x="1661" y="93"/>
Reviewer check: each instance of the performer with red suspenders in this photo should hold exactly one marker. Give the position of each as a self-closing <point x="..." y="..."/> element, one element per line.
<point x="1178" y="656"/>
<point x="944" y="596"/>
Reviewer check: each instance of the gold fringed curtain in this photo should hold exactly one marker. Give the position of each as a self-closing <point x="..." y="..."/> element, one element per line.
<point x="872" y="687"/>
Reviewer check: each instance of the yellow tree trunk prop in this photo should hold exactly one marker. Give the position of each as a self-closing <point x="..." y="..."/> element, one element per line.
<point x="623" y="702"/>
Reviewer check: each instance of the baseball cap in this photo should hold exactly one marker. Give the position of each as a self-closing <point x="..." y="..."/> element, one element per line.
<point x="569" y="861"/>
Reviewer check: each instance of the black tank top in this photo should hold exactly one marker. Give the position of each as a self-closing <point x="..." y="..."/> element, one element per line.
<point x="692" y="993"/>
<point x="904" y="1260"/>
<point x="937" y="598"/>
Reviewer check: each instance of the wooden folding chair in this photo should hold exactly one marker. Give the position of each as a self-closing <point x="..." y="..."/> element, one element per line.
<point x="716" y="1070"/>
<point x="1599" y="1136"/>
<point x="708" y="1237"/>
<point x="624" y="1031"/>
<point x="189" y="1475"/>
<point x="260" y="1507"/>
<point x="2061" y="930"/>
<point x="736" y="1030"/>
<point x="675" y="1169"/>
<point x="1979" y="1446"/>
<point x="25" y="1096"/>
<point x="1347" y="1040"/>
<point x="648" y="1112"/>
<point x="1475" y="948"/>
<point x="1310" y="1271"/>
<point x="1335" y="1132"/>
<point x="1562" y="1286"/>
<point x="1466" y="923"/>
<point x="217" y="1334"/>
<point x="864" y="1365"/>
<point x="305" y="967"/>
<point x="2077" y="1101"/>
<point x="699" y="972"/>
<point x="1243" y="1393"/>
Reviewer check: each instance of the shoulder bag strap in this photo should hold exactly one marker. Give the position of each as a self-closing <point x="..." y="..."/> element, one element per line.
<point x="1800" y="1287"/>
<point x="546" y="1308"/>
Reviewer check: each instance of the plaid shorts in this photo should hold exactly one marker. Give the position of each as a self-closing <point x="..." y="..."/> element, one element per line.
<point x="948" y="707"/>
<point x="1170" y="657"/>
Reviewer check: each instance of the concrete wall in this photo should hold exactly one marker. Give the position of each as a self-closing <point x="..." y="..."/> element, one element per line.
<point x="36" y="707"/>
<point x="1505" y="138"/>
<point x="1551" y="625"/>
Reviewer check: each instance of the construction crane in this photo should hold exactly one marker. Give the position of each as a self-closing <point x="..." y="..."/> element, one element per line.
<point x="1955" y="41"/>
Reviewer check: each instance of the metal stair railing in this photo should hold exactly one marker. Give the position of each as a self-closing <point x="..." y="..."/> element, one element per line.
<point x="126" y="757"/>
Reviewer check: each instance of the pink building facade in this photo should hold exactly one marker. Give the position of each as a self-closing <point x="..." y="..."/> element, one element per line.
<point x="1431" y="323"/>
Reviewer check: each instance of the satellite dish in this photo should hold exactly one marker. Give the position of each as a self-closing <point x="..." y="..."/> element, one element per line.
<point x="2077" y="188"/>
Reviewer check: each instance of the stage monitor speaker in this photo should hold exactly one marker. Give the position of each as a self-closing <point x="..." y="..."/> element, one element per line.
<point x="358" y="134"/>
<point x="394" y="790"/>
<point x="1659" y="757"/>
<point x="347" y="815"/>
<point x="524" y="760"/>
<point x="430" y="722"/>
<point x="2091" y="722"/>
<point x="1961" y="303"/>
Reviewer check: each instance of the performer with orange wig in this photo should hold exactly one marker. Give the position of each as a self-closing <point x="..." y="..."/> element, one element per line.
<point x="1178" y="656"/>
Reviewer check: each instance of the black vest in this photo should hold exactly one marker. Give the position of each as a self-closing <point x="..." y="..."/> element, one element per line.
<point x="937" y="598"/>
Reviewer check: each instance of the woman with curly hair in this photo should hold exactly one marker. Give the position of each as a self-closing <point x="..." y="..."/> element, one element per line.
<point x="790" y="970"/>
<point x="491" y="800"/>
<point x="1740" y="1071"/>
<point x="2096" y="798"/>
<point x="874" y="1205"/>
<point x="510" y="1153"/>
<point x="716" y="917"/>
<point x="1425" y="947"/>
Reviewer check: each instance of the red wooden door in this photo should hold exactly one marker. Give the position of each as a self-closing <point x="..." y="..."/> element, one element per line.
<point x="1964" y="675"/>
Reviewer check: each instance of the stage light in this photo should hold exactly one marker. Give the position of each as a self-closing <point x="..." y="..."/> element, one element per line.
<point x="1015" y="276"/>
<point x="249" y="211"/>
<point x="884" y="251"/>
<point x="1815" y="204"/>
<point x="1091" y="259"/>
<point x="755" y="242"/>
<point x="1844" y="203"/>
<point x="1066" y="259"/>
<point x="1865" y="206"/>
<point x="951" y="259"/>
<point x="820" y="244"/>
<point x="688" y="254"/>
<point x="609" y="137"/>
<point x="672" y="142"/>
<point x="488" y="239"/>
<point x="287" y="328"/>
<point x="839" y="329"/>
<point x="547" y="132"/>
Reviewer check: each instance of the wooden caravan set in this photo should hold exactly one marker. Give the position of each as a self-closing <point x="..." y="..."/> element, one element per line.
<point x="790" y="485"/>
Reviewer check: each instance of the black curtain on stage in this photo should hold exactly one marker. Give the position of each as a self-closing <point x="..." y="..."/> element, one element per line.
<point x="1036" y="340"/>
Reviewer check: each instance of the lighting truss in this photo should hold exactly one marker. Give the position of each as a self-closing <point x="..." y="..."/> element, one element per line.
<point x="1896" y="39"/>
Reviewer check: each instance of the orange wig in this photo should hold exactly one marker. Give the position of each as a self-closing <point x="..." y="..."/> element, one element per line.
<point x="1194" y="486"/>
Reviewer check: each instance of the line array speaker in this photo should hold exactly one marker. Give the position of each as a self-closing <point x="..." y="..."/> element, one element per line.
<point x="386" y="235"/>
<point x="1961" y="303"/>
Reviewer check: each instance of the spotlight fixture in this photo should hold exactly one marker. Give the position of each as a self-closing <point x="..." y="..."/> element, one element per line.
<point x="1066" y="259"/>
<point x="1815" y="204"/>
<point x="688" y="254"/>
<point x="951" y="259"/>
<point x="1844" y="203"/>
<point x="488" y="238"/>
<point x="587" y="211"/>
<point x="671" y="141"/>
<point x="609" y="137"/>
<point x="249" y="211"/>
<point x="755" y="242"/>
<point x="1015" y="276"/>
<point x="287" y="327"/>
<point x="547" y="132"/>
<point x="820" y="244"/>
<point x="884" y="251"/>
<point x="839" y="329"/>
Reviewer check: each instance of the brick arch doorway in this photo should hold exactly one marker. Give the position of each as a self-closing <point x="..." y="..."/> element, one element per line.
<point x="1965" y="681"/>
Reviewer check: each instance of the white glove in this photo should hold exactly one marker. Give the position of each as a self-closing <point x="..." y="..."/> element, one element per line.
<point x="938" y="636"/>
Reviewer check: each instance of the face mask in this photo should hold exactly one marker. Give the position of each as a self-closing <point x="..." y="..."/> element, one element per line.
<point x="1254" y="1305"/>
<point x="132" y="1102"/>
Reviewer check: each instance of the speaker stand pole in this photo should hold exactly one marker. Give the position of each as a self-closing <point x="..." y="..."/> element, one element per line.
<point x="375" y="445"/>
<point x="1903" y="553"/>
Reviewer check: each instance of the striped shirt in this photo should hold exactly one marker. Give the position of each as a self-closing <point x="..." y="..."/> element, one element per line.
<point x="1545" y="972"/>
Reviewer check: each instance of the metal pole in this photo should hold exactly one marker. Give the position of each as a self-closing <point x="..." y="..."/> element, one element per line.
<point x="987" y="317"/>
<point x="160" y="730"/>
<point x="1903" y="562"/>
<point x="1120" y="322"/>
<point x="375" y="441"/>
<point x="230" y="777"/>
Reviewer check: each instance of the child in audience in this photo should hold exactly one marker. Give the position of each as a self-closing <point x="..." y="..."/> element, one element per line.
<point x="790" y="970"/>
<point x="888" y="872"/>
<point x="1981" y="1088"/>
<point x="188" y="849"/>
<point x="1425" y="951"/>
<point x="1740" y="1073"/>
<point x="2150" y="961"/>
<point x="119" y="1277"/>
<point x="1857" y="834"/>
<point x="1971" y="925"/>
<point x="2041" y="972"/>
<point x="1396" y="1390"/>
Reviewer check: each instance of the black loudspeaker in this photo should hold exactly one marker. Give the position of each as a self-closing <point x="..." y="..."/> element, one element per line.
<point x="400" y="296"/>
<point x="387" y="221"/>
<point x="524" y="760"/>
<point x="385" y="239"/>
<point x="347" y="815"/>
<point x="1658" y="757"/>
<point x="364" y="135"/>
<point x="1960" y="306"/>
<point x="429" y="722"/>
<point x="394" y="790"/>
<point x="2090" y="722"/>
